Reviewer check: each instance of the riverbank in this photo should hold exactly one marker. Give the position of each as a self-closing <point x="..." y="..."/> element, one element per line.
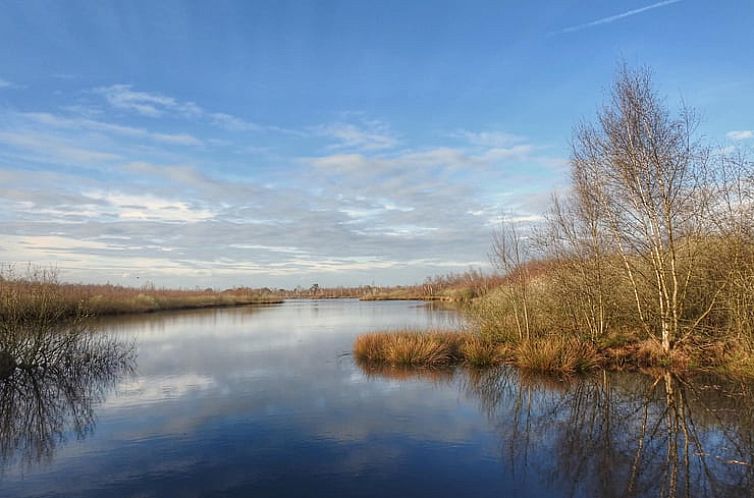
<point x="38" y="296"/>
<point x="555" y="354"/>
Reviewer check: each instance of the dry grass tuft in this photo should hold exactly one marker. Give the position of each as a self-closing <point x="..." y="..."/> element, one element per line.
<point x="409" y="347"/>
<point x="479" y="352"/>
<point x="440" y="348"/>
<point x="557" y="354"/>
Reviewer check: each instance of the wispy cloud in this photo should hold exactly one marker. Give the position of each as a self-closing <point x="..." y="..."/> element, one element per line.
<point x="156" y="105"/>
<point x="81" y="123"/>
<point x="350" y="204"/>
<point x="740" y="135"/>
<point x="6" y="83"/>
<point x="144" y="103"/>
<point x="488" y="138"/>
<point x="617" y="17"/>
<point x="50" y="147"/>
<point x="146" y="207"/>
<point x="232" y="123"/>
<point x="369" y="135"/>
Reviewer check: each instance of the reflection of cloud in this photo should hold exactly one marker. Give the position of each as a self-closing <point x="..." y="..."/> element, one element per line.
<point x="146" y="390"/>
<point x="240" y="391"/>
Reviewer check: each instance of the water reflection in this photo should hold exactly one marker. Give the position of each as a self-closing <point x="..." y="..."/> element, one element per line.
<point x="397" y="372"/>
<point x="51" y="380"/>
<point x="268" y="402"/>
<point x="616" y="434"/>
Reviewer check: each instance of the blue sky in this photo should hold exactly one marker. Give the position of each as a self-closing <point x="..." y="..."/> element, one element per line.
<point x="341" y="142"/>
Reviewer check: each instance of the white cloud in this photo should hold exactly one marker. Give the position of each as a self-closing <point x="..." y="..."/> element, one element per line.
<point x="275" y="249"/>
<point x="371" y="135"/>
<point x="740" y="135"/>
<point x="79" y="123"/>
<point x="155" y="105"/>
<point x="233" y="123"/>
<point x="489" y="138"/>
<point x="617" y="17"/>
<point x="55" y="148"/>
<point x="177" y="139"/>
<point x="5" y="83"/>
<point x="147" y="104"/>
<point x="150" y="208"/>
<point x="447" y="157"/>
<point x="361" y="213"/>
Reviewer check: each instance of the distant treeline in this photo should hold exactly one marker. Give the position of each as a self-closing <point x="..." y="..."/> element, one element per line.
<point x="37" y="293"/>
<point x="455" y="287"/>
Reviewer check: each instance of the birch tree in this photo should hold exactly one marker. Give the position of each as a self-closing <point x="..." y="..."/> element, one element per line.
<point x="649" y="181"/>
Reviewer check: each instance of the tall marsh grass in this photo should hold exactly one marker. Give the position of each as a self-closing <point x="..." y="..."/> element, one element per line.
<point x="404" y="348"/>
<point x="556" y="354"/>
<point x="409" y="348"/>
<point x="37" y="295"/>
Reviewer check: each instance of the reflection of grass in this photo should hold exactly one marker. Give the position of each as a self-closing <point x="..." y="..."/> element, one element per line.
<point x="398" y="372"/>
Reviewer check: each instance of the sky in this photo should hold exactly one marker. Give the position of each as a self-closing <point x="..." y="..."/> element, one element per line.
<point x="282" y="143"/>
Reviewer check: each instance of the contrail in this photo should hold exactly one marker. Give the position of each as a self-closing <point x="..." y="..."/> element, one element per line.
<point x="617" y="17"/>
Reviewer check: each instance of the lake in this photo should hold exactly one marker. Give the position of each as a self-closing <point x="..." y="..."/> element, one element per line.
<point x="267" y="401"/>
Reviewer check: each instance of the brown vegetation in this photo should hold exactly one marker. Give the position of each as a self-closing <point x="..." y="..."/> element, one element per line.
<point x="648" y="261"/>
<point x="38" y="296"/>
<point x="402" y="349"/>
<point x="410" y="348"/>
<point x="453" y="287"/>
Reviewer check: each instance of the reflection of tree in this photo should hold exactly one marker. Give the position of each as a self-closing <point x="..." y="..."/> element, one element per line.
<point x="52" y="377"/>
<point x="618" y="434"/>
<point x="624" y="435"/>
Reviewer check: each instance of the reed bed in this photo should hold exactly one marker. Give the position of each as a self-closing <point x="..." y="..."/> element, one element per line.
<point x="557" y="354"/>
<point x="407" y="348"/>
<point x="410" y="348"/>
<point x="37" y="295"/>
<point x="446" y="348"/>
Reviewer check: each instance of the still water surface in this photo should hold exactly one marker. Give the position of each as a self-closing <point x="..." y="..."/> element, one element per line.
<point x="268" y="401"/>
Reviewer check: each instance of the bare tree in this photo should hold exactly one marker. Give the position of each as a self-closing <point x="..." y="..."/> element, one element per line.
<point x="648" y="177"/>
<point x="574" y="239"/>
<point x="511" y="251"/>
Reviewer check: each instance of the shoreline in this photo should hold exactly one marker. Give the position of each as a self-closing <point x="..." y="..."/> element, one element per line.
<point x="185" y="307"/>
<point x="440" y="349"/>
